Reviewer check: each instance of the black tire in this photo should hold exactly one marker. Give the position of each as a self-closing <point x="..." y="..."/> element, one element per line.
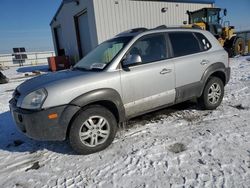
<point x="239" y="47"/>
<point x="3" y="79"/>
<point x="80" y="126"/>
<point x="211" y="102"/>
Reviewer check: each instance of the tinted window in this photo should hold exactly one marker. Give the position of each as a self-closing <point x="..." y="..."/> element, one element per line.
<point x="184" y="43"/>
<point x="150" y="48"/>
<point x="205" y="44"/>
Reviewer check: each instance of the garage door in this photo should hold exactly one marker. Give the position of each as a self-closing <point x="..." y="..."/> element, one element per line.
<point x="83" y="34"/>
<point x="59" y="41"/>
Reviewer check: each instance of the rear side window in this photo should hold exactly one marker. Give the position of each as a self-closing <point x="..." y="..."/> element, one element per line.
<point x="204" y="42"/>
<point x="184" y="43"/>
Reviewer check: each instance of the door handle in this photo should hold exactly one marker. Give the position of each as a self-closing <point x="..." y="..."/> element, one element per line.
<point x="166" y="71"/>
<point x="204" y="62"/>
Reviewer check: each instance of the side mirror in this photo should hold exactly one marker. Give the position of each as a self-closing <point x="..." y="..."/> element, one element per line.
<point x="184" y="22"/>
<point x="225" y="12"/>
<point x="132" y="60"/>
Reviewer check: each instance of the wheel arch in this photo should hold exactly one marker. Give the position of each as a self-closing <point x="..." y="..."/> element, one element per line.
<point x="216" y="70"/>
<point x="108" y="98"/>
<point x="221" y="75"/>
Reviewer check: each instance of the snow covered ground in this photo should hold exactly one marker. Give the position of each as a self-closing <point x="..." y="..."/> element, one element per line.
<point x="180" y="146"/>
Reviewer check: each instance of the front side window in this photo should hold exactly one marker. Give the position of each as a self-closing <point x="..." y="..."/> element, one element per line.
<point x="184" y="43"/>
<point x="103" y="54"/>
<point x="149" y="48"/>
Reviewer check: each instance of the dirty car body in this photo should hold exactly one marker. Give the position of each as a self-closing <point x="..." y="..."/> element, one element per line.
<point x="134" y="73"/>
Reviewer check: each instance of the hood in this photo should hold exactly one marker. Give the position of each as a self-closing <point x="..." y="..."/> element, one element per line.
<point x="45" y="80"/>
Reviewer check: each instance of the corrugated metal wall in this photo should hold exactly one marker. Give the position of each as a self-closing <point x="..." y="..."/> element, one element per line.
<point x="114" y="16"/>
<point x="107" y="18"/>
<point x="65" y="20"/>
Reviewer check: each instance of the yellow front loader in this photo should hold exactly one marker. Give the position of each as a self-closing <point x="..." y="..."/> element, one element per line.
<point x="210" y="19"/>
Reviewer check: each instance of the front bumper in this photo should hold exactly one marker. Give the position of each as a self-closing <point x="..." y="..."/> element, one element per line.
<point x="37" y="125"/>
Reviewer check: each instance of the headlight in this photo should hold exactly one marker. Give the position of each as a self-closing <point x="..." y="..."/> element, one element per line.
<point x="34" y="100"/>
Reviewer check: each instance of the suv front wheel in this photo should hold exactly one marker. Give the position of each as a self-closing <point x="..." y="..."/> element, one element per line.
<point x="212" y="94"/>
<point x="92" y="130"/>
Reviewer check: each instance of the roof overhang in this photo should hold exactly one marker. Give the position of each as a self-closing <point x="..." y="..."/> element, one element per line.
<point x="184" y="1"/>
<point x="60" y="7"/>
<point x="57" y="12"/>
<point x="70" y="1"/>
<point x="171" y="1"/>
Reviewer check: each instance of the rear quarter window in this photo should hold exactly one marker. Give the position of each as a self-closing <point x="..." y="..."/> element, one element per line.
<point x="204" y="42"/>
<point x="184" y="43"/>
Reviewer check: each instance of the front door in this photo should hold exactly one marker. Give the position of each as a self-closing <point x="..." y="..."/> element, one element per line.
<point x="150" y="83"/>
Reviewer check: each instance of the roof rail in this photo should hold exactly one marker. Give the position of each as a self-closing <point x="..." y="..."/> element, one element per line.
<point x="135" y="30"/>
<point x="161" y="27"/>
<point x="174" y="27"/>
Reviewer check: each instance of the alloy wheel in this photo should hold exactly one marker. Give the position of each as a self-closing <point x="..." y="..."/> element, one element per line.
<point x="94" y="131"/>
<point x="214" y="93"/>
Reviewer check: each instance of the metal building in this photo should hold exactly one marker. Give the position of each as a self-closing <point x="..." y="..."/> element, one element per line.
<point x="80" y="25"/>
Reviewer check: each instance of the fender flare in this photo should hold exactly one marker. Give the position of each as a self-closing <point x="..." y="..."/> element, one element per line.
<point x="216" y="67"/>
<point x="98" y="95"/>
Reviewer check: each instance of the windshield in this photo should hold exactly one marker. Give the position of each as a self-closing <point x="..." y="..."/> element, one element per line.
<point x="200" y="16"/>
<point x="213" y="16"/>
<point x="103" y="54"/>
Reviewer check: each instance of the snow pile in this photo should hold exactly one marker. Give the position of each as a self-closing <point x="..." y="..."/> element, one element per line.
<point x="174" y="147"/>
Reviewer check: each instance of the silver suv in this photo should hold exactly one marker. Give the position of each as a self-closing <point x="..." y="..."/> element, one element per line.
<point x="136" y="72"/>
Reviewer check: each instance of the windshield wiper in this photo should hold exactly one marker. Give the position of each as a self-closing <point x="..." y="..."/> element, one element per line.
<point x="80" y="68"/>
<point x="96" y="69"/>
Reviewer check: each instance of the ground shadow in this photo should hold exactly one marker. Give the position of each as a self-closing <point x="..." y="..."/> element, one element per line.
<point x="41" y="68"/>
<point x="160" y="115"/>
<point x="14" y="141"/>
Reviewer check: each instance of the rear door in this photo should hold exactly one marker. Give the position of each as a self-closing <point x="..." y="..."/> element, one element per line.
<point x="150" y="84"/>
<point x="189" y="58"/>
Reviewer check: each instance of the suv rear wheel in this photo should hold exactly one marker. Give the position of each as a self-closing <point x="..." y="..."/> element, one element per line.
<point x="212" y="95"/>
<point x="92" y="130"/>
